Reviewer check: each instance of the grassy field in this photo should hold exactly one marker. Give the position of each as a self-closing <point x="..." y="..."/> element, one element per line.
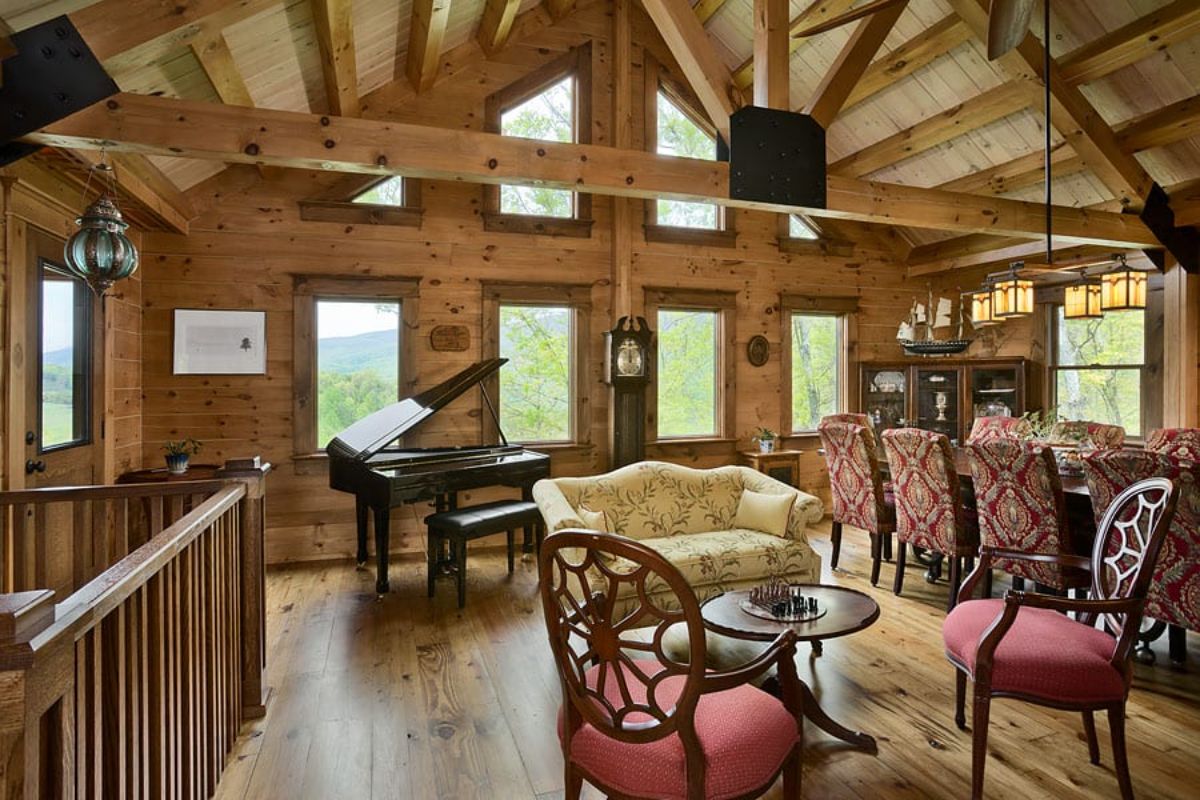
<point x="57" y="425"/>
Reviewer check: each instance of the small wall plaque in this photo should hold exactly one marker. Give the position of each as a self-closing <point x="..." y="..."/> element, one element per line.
<point x="758" y="350"/>
<point x="450" y="338"/>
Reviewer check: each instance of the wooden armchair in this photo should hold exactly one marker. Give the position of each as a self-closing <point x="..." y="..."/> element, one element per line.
<point x="1026" y="647"/>
<point x="636" y="723"/>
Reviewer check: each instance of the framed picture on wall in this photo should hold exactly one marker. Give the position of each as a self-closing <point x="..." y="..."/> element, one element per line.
<point x="210" y="342"/>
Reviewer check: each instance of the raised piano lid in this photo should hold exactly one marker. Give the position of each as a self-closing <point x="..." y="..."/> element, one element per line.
<point x="376" y="431"/>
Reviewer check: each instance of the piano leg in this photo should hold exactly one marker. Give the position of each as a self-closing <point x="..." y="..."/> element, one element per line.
<point x="360" y="516"/>
<point x="381" y="549"/>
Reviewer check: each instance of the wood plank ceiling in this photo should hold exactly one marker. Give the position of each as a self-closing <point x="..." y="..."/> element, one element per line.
<point x="929" y="111"/>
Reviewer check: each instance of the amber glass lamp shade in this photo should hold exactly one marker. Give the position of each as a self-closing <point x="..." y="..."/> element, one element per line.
<point x="1012" y="297"/>
<point x="1082" y="300"/>
<point x="981" y="308"/>
<point x="1123" y="290"/>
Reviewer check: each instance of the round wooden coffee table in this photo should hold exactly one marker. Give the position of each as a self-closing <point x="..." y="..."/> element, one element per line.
<point x="847" y="611"/>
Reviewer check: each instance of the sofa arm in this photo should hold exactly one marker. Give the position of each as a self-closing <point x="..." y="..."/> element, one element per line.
<point x="556" y="511"/>
<point x="806" y="509"/>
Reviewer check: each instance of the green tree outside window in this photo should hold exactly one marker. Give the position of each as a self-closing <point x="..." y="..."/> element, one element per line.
<point x="815" y="369"/>
<point x="549" y="116"/>
<point x="687" y="373"/>
<point x="1116" y="343"/>
<point x="679" y="136"/>
<point x="358" y="358"/>
<point x="389" y="192"/>
<point x="535" y="384"/>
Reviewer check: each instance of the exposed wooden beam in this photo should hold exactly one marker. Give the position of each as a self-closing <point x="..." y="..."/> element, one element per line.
<point x="1131" y="43"/>
<point x="845" y="18"/>
<point x="703" y="68"/>
<point x="334" y="23"/>
<point x="216" y="59"/>
<point x="142" y="181"/>
<point x="426" y="32"/>
<point x="1162" y="127"/>
<point x="705" y="9"/>
<point x="980" y="110"/>
<point x="1185" y="200"/>
<point x="166" y="126"/>
<point x="771" y="54"/>
<point x="496" y="24"/>
<point x="820" y="10"/>
<point x="936" y="40"/>
<point x="1020" y="172"/>
<point x="112" y="27"/>
<point x="855" y="56"/>
<point x="1072" y="114"/>
<point x="984" y="251"/>
<point x="559" y="8"/>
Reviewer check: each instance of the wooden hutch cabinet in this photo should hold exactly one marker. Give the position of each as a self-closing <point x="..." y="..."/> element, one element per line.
<point x="943" y="395"/>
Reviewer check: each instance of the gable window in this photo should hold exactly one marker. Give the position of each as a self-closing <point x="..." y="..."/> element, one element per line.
<point x="552" y="104"/>
<point x="1099" y="368"/>
<point x="353" y="356"/>
<point x="367" y="201"/>
<point x="679" y="135"/>
<point x="693" y="386"/>
<point x="64" y="362"/>
<point x="799" y="229"/>
<point x="542" y="331"/>
<point x="388" y="192"/>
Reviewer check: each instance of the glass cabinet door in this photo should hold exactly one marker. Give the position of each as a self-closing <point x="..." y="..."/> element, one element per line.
<point x="936" y="401"/>
<point x="885" y="396"/>
<point x="995" y="392"/>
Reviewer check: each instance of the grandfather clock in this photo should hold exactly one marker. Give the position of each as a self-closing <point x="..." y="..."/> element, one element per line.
<point x="627" y="370"/>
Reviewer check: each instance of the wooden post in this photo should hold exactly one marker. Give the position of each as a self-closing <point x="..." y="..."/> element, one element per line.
<point x="771" y="54"/>
<point x="252" y="519"/>
<point x="1181" y="349"/>
<point x="25" y="694"/>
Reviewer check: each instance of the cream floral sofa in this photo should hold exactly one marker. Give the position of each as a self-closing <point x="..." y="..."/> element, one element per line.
<point x="687" y="515"/>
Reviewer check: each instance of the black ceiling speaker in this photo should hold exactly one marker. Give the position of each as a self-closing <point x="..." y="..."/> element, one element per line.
<point x="776" y="157"/>
<point x="52" y="75"/>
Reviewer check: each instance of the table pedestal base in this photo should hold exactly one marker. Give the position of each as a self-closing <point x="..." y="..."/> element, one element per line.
<point x="817" y="716"/>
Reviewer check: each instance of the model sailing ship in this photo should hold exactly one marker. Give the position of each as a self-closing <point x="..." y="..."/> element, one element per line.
<point x="919" y="318"/>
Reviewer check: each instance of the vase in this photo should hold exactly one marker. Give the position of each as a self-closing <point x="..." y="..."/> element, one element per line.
<point x="177" y="464"/>
<point x="766" y="445"/>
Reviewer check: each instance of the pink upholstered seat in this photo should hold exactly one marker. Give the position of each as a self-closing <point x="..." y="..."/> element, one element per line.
<point x="988" y="428"/>
<point x="745" y="733"/>
<point x="1044" y="654"/>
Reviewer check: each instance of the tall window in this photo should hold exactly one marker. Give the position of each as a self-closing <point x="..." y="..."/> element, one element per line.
<point x="688" y="349"/>
<point x="358" y="361"/>
<point x="64" y="374"/>
<point x="549" y="115"/>
<point x="816" y="368"/>
<point x="1098" y="368"/>
<point x="535" y="385"/>
<point x="679" y="135"/>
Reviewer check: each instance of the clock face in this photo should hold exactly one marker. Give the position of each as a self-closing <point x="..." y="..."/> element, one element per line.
<point x="630" y="360"/>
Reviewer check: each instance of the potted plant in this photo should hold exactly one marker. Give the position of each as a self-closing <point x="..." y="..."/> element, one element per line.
<point x="178" y="454"/>
<point x="766" y="439"/>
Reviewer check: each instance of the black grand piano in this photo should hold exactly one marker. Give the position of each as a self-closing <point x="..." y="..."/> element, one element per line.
<point x="363" y="462"/>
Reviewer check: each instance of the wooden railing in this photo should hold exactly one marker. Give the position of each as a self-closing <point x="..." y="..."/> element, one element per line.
<point x="137" y="683"/>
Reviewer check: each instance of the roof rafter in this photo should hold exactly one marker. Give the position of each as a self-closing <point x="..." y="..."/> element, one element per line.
<point x="706" y="9"/>
<point x="845" y="18"/>
<point x="159" y="125"/>
<point x="145" y="183"/>
<point x="334" y="23"/>
<point x="426" y="32"/>
<point x="496" y="24"/>
<point x="771" y="54"/>
<point x="1133" y="42"/>
<point x="936" y="40"/>
<point x="1018" y="173"/>
<point x="819" y="11"/>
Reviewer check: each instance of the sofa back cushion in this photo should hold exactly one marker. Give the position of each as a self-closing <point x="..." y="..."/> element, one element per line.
<point x="653" y="499"/>
<point x="768" y="513"/>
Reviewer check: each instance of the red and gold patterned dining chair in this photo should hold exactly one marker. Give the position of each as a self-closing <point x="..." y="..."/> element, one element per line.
<point x="856" y="486"/>
<point x="1098" y="434"/>
<point x="1020" y="506"/>
<point x="987" y="428"/>
<point x="636" y="723"/>
<point x="929" y="507"/>
<point x="1026" y="647"/>
<point x="1174" y="597"/>
<point x="1179" y="442"/>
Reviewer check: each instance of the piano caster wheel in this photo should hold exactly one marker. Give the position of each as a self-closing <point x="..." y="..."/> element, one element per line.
<point x="381" y="588"/>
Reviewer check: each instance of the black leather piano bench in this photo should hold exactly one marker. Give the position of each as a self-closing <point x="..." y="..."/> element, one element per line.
<point x="461" y="525"/>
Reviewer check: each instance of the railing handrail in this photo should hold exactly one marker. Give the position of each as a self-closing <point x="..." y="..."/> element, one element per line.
<point x="67" y="494"/>
<point x="87" y="606"/>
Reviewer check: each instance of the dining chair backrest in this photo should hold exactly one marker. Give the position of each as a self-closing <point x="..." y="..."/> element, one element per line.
<point x="1179" y="442"/>
<point x="1019" y="499"/>
<point x="988" y="428"/>
<point x="582" y="574"/>
<point x="855" y="481"/>
<point x="1100" y="435"/>
<point x="929" y="510"/>
<point x="1174" y="595"/>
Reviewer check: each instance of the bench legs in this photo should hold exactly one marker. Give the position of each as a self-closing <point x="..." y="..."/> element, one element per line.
<point x="460" y="559"/>
<point x="435" y="542"/>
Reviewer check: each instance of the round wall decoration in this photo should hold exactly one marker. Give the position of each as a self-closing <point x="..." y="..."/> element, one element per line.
<point x="758" y="350"/>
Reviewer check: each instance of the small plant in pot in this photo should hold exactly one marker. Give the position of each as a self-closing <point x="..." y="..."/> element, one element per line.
<point x="178" y="454"/>
<point x="766" y="439"/>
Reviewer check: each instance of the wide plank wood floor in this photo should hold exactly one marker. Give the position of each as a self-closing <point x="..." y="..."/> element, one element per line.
<point x="410" y="698"/>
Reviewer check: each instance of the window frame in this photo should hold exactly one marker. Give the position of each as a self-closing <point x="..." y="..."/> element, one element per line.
<point x="846" y="310"/>
<point x="307" y="290"/>
<point x="337" y="204"/>
<point x="724" y="303"/>
<point x="659" y="79"/>
<point x="84" y="340"/>
<point x="823" y="245"/>
<point x="576" y="64"/>
<point x="1149" y="397"/>
<point x="575" y="297"/>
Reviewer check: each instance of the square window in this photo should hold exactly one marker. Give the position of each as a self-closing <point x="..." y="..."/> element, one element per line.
<point x="1099" y="366"/>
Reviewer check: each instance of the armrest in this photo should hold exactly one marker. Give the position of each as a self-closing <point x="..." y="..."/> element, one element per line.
<point x="784" y="647"/>
<point x="557" y="512"/>
<point x="1123" y="605"/>
<point x="987" y="555"/>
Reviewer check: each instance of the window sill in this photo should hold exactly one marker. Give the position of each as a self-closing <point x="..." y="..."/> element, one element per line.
<point x="360" y="213"/>
<point x="310" y="463"/>
<point x="669" y="234"/>
<point x="815" y="247"/>
<point x="498" y="222"/>
<point x="685" y="440"/>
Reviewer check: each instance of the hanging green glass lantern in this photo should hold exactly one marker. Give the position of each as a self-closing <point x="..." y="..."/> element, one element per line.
<point x="100" y="253"/>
